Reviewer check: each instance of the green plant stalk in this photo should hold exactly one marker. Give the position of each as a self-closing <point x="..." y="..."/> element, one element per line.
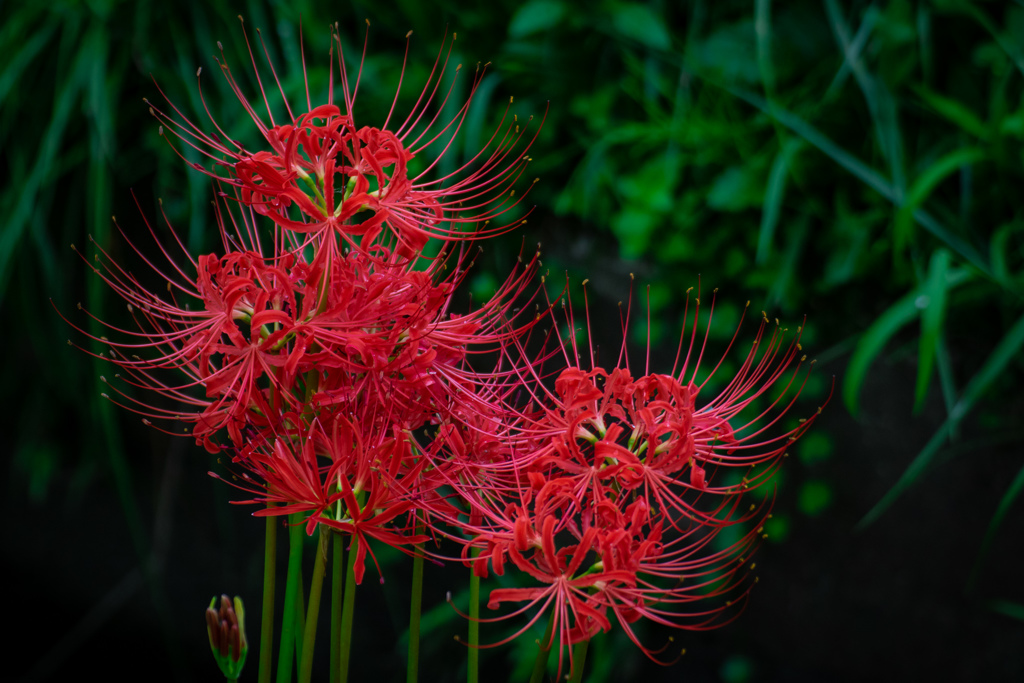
<point x="337" y="582"/>
<point x="267" y="619"/>
<point x="473" y="656"/>
<point x="579" y="660"/>
<point x="315" y="589"/>
<point x="415" y="608"/>
<point x="300" y="617"/>
<point x="540" y="665"/>
<point x="347" y="610"/>
<point x="291" y="591"/>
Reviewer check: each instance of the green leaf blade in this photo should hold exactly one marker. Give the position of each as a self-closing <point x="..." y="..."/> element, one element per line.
<point x="932" y="315"/>
<point x="871" y="344"/>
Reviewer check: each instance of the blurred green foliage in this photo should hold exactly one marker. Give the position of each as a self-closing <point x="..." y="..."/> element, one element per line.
<point x="858" y="162"/>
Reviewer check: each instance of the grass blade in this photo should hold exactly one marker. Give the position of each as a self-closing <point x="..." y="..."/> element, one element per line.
<point x="763" y="31"/>
<point x="880" y="102"/>
<point x="13" y="68"/>
<point x="1009" y="347"/>
<point x="1014" y="610"/>
<point x="953" y="111"/>
<point x="851" y="52"/>
<point x="979" y="16"/>
<point x="923" y="187"/>
<point x="864" y="173"/>
<point x="909" y="476"/>
<point x="774" y="193"/>
<point x="52" y="141"/>
<point x="963" y="248"/>
<point x="924" y="42"/>
<point x="880" y="332"/>
<point x="790" y="262"/>
<point x="1016" y="486"/>
<point x="934" y="300"/>
<point x="946" y="380"/>
<point x="871" y="344"/>
<point x="858" y="168"/>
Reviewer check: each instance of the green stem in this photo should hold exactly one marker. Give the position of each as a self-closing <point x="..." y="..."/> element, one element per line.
<point x="294" y="578"/>
<point x="579" y="660"/>
<point x="347" y="610"/>
<point x="315" y="588"/>
<point x="316" y="191"/>
<point x="415" y="607"/>
<point x="337" y="582"/>
<point x="473" y="662"/>
<point x="269" y="579"/>
<point x="300" y="618"/>
<point x="540" y="664"/>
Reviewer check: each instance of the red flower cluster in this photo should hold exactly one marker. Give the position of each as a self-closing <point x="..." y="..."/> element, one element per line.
<point x="315" y="348"/>
<point x="323" y="174"/>
<point x="326" y="360"/>
<point x="612" y="491"/>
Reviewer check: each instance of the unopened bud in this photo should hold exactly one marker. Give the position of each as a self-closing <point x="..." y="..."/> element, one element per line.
<point x="226" y="629"/>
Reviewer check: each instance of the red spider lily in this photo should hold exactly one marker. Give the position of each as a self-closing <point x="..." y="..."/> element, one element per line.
<point x="355" y="181"/>
<point x="525" y="533"/>
<point x="398" y="345"/>
<point x="267" y="335"/>
<point x="286" y="356"/>
<point x="351" y="476"/>
<point x="328" y="359"/>
<point x="606" y="558"/>
<point x="240" y="296"/>
<point x="608" y="429"/>
<point x="613" y="554"/>
<point x="613" y="489"/>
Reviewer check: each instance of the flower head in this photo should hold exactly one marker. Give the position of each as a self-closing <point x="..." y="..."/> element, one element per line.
<point x="616" y="489"/>
<point x="317" y="344"/>
<point x="321" y="173"/>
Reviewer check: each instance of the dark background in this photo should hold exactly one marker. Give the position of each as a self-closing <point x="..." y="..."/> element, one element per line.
<point x="858" y="163"/>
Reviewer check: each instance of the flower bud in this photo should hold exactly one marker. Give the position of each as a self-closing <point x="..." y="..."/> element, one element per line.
<point x="226" y="629"/>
